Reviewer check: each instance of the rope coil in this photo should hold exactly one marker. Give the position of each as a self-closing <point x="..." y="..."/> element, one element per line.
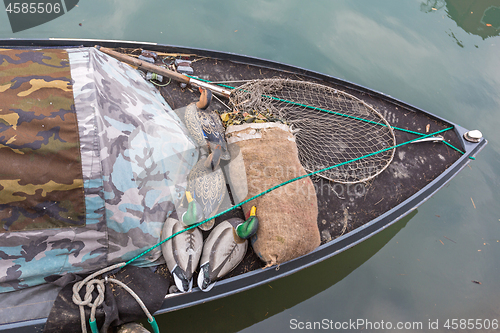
<point x="91" y="283"/>
<point x="88" y="299"/>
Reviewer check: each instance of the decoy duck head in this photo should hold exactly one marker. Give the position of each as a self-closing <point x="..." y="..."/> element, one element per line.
<point x="205" y="99"/>
<point x="194" y="212"/>
<point x="248" y="228"/>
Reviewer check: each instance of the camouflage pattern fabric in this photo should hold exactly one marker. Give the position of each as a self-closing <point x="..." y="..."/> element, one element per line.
<point x="41" y="183"/>
<point x="135" y="157"/>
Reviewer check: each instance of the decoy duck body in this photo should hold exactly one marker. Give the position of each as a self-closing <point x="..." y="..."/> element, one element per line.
<point x="189" y="116"/>
<point x="212" y="127"/>
<point x="224" y="249"/>
<point x="208" y="188"/>
<point x="205" y="127"/>
<point x="182" y="252"/>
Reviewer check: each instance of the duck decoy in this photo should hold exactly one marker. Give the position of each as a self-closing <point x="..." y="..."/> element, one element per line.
<point x="189" y="116"/>
<point x="213" y="129"/>
<point x="225" y="248"/>
<point x="182" y="252"/>
<point x="205" y="127"/>
<point x="194" y="211"/>
<point x="207" y="188"/>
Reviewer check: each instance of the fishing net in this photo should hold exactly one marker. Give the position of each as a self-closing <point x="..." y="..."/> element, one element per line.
<point x="331" y="127"/>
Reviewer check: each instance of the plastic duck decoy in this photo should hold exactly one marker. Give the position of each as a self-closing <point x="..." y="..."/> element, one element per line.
<point x="189" y="116"/>
<point x="194" y="211"/>
<point x="213" y="129"/>
<point x="225" y="248"/>
<point x="205" y="127"/>
<point x="207" y="188"/>
<point x="182" y="252"/>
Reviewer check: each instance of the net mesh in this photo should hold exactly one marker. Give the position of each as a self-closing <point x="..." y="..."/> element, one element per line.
<point x="330" y="126"/>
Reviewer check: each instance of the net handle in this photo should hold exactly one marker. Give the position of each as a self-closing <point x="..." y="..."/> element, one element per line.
<point x="163" y="71"/>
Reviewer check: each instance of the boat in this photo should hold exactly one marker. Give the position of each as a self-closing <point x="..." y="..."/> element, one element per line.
<point x="424" y="153"/>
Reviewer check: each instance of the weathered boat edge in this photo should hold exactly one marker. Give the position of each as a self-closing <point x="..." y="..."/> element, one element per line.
<point x="256" y="278"/>
<point x="35" y="325"/>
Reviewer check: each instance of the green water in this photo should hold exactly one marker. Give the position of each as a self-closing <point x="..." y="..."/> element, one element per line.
<point x="445" y="60"/>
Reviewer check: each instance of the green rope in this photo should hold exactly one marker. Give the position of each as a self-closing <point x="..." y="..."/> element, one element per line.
<point x="280" y="185"/>
<point x="357" y="118"/>
<point x="304" y="176"/>
<point x="337" y="114"/>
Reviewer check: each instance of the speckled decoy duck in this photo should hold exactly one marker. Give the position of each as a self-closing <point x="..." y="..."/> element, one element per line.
<point x="212" y="128"/>
<point x="207" y="188"/>
<point x="205" y="127"/>
<point x="182" y="253"/>
<point x="224" y="249"/>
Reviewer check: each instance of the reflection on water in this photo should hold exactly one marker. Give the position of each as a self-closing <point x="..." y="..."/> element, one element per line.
<point x="244" y="309"/>
<point x="399" y="48"/>
<point x="478" y="17"/>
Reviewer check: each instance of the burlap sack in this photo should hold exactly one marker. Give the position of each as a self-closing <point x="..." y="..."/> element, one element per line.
<point x="288" y="215"/>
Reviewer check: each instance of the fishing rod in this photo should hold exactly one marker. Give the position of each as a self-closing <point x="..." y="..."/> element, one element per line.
<point x="144" y="65"/>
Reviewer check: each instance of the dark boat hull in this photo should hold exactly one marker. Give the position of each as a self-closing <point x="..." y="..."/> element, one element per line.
<point x="240" y="282"/>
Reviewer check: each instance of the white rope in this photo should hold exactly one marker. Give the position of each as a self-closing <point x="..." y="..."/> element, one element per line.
<point x="134" y="295"/>
<point x="89" y="282"/>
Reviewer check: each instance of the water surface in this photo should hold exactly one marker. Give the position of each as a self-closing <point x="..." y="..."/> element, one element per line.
<point x="442" y="56"/>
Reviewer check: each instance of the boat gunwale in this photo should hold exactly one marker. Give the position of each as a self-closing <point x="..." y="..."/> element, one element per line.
<point x="325" y="251"/>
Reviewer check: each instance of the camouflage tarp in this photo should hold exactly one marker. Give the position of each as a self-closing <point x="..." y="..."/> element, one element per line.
<point x="134" y="157"/>
<point x="41" y="183"/>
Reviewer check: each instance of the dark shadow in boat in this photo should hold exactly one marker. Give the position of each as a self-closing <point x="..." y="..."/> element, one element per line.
<point x="239" y="311"/>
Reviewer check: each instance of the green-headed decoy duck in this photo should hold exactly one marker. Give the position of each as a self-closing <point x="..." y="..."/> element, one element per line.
<point x="224" y="249"/>
<point x="182" y="252"/>
<point x="194" y="211"/>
